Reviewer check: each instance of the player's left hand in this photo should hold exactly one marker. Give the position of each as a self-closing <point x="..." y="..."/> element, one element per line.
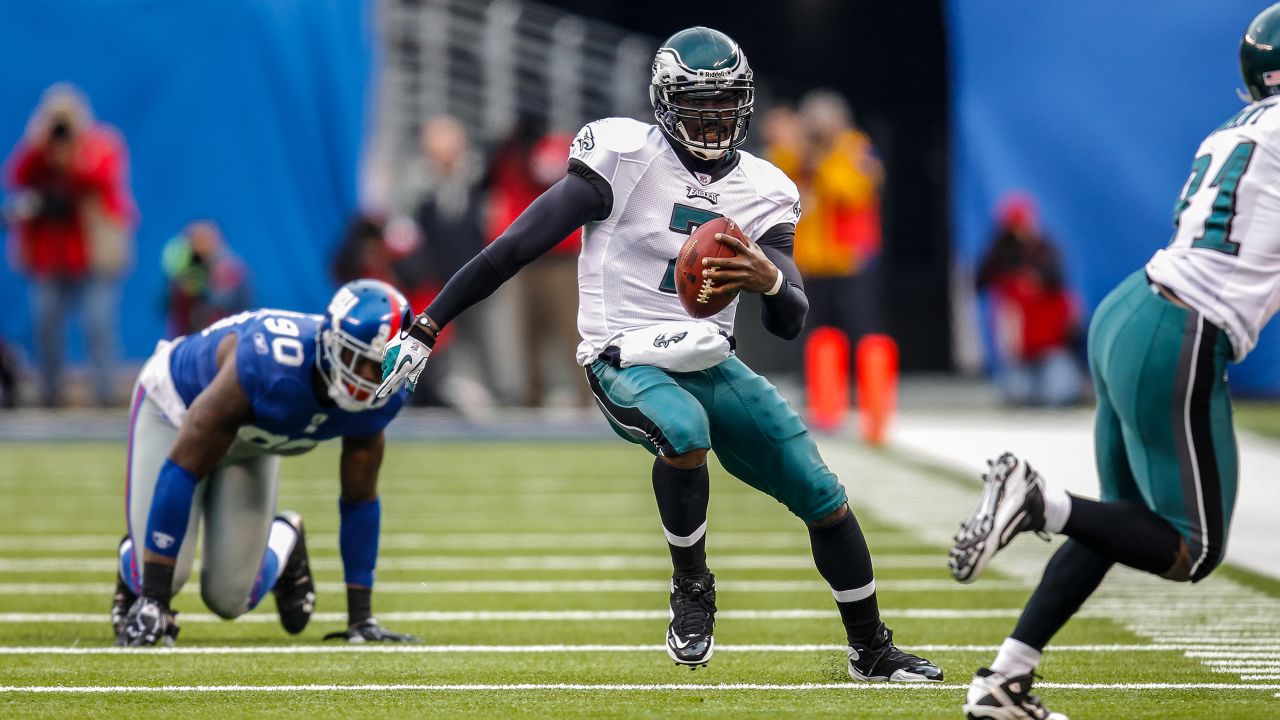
<point x="370" y="631"/>
<point x="750" y="270"/>
<point x="148" y="623"/>
<point x="403" y="360"/>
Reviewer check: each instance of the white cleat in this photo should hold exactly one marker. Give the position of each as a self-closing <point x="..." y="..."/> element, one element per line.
<point x="1012" y="502"/>
<point x="993" y="696"/>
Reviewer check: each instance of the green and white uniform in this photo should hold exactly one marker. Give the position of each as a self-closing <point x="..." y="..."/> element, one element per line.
<point x="1164" y="435"/>
<point x="626" y="283"/>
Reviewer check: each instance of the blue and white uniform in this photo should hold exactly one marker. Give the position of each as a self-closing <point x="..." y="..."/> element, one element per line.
<point x="276" y="357"/>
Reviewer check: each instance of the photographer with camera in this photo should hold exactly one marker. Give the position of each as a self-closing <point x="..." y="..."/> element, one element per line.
<point x="71" y="215"/>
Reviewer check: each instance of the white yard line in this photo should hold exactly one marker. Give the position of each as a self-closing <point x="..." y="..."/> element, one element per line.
<point x="587" y="687"/>
<point x="523" y="587"/>
<point x="536" y="615"/>
<point x="518" y="649"/>
<point x="60" y="564"/>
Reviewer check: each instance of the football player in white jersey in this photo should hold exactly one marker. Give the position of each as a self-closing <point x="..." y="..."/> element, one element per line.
<point x="664" y="380"/>
<point x="1159" y="346"/>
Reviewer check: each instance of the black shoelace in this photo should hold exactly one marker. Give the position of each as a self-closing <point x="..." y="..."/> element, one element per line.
<point x="694" y="612"/>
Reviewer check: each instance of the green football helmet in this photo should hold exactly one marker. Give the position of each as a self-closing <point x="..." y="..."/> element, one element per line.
<point x="702" y="91"/>
<point x="1260" y="54"/>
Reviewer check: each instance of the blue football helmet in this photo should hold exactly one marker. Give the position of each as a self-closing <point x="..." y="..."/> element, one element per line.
<point x="362" y="317"/>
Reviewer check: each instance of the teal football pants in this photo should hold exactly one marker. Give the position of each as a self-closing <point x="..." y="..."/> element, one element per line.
<point x="730" y="409"/>
<point x="1163" y="431"/>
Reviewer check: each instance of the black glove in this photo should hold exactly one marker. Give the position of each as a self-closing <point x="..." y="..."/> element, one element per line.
<point x="148" y="623"/>
<point x="370" y="631"/>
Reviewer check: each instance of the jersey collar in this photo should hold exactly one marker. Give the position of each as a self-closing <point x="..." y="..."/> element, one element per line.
<point x="705" y="172"/>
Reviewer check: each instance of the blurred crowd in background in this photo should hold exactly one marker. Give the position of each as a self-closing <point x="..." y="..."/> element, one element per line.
<point x="71" y="214"/>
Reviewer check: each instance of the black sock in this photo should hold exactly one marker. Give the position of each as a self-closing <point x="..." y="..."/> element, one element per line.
<point x="359" y="604"/>
<point x="1071" y="576"/>
<point x="1127" y="532"/>
<point x="157" y="582"/>
<point x="841" y="554"/>
<point x="682" y="504"/>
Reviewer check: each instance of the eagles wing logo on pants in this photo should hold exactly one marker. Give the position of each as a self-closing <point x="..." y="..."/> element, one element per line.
<point x="664" y="340"/>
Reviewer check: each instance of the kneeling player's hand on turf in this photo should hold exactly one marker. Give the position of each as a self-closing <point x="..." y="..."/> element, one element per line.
<point x="406" y="355"/>
<point x="148" y="623"/>
<point x="370" y="631"/>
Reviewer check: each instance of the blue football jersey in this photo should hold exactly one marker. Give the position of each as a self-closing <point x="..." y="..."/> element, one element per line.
<point x="276" y="365"/>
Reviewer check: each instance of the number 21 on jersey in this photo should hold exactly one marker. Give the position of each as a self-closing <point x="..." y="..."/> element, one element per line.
<point x="1216" y="234"/>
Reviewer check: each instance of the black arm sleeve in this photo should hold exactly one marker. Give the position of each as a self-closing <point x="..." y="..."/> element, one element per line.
<point x="566" y="206"/>
<point x="783" y="314"/>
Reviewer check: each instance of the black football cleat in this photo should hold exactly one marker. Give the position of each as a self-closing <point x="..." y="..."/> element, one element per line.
<point x="993" y="696"/>
<point x="881" y="661"/>
<point x="121" y="601"/>
<point x="1012" y="502"/>
<point x="295" y="590"/>
<point x="693" y="616"/>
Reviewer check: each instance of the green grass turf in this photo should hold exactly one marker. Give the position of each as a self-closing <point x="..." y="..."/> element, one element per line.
<point x="1259" y="416"/>
<point x="485" y="502"/>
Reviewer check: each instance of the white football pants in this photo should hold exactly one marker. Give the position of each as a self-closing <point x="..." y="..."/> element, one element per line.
<point x="236" y="503"/>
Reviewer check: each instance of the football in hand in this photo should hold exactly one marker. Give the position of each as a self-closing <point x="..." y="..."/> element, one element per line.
<point x="692" y="286"/>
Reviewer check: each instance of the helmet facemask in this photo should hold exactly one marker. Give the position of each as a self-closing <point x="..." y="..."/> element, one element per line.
<point x="343" y="359"/>
<point x="709" y="119"/>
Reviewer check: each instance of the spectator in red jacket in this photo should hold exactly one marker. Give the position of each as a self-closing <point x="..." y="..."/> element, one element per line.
<point x="73" y="215"/>
<point x="1036" y="320"/>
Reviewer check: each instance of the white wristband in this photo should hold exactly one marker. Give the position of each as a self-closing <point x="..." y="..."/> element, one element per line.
<point x="777" y="285"/>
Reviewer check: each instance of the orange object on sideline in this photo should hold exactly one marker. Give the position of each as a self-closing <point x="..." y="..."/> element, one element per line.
<point x="826" y="361"/>
<point x="877" y="358"/>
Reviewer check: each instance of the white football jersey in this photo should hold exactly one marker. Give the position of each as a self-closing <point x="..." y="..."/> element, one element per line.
<point x="626" y="272"/>
<point x="1224" y="259"/>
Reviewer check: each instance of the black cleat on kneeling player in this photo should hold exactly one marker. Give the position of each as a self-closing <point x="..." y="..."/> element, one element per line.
<point x="693" y="617"/>
<point x="295" y="591"/>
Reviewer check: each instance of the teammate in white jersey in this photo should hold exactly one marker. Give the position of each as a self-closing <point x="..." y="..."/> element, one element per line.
<point x="1159" y="346"/>
<point x="664" y="380"/>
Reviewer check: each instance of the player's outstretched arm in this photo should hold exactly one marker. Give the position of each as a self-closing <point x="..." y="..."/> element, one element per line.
<point x="204" y="438"/>
<point x="361" y="519"/>
<point x="564" y="207"/>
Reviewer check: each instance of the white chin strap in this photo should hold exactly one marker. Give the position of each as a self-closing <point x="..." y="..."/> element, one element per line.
<point x="706" y="154"/>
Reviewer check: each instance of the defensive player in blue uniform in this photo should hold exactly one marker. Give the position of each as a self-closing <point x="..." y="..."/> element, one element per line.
<point x="211" y="415"/>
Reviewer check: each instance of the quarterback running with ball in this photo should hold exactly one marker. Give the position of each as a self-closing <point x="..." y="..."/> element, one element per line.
<point x="1159" y="347"/>
<point x="664" y="380"/>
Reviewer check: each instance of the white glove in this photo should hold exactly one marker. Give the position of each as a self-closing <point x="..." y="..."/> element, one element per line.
<point x="404" y="358"/>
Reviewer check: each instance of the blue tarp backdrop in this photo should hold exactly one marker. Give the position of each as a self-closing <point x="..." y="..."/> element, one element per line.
<point x="250" y="112"/>
<point x="1095" y="108"/>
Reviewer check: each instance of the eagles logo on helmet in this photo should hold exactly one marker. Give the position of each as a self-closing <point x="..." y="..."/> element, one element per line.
<point x="361" y="318"/>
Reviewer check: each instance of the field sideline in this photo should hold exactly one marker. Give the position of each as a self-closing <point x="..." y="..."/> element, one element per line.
<point x="536" y="575"/>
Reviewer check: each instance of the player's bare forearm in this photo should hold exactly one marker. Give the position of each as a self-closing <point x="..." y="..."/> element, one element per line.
<point x="213" y="420"/>
<point x="359" y="465"/>
<point x="209" y="429"/>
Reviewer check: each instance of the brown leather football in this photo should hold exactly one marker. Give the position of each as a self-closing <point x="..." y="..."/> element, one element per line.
<point x="691" y="286"/>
